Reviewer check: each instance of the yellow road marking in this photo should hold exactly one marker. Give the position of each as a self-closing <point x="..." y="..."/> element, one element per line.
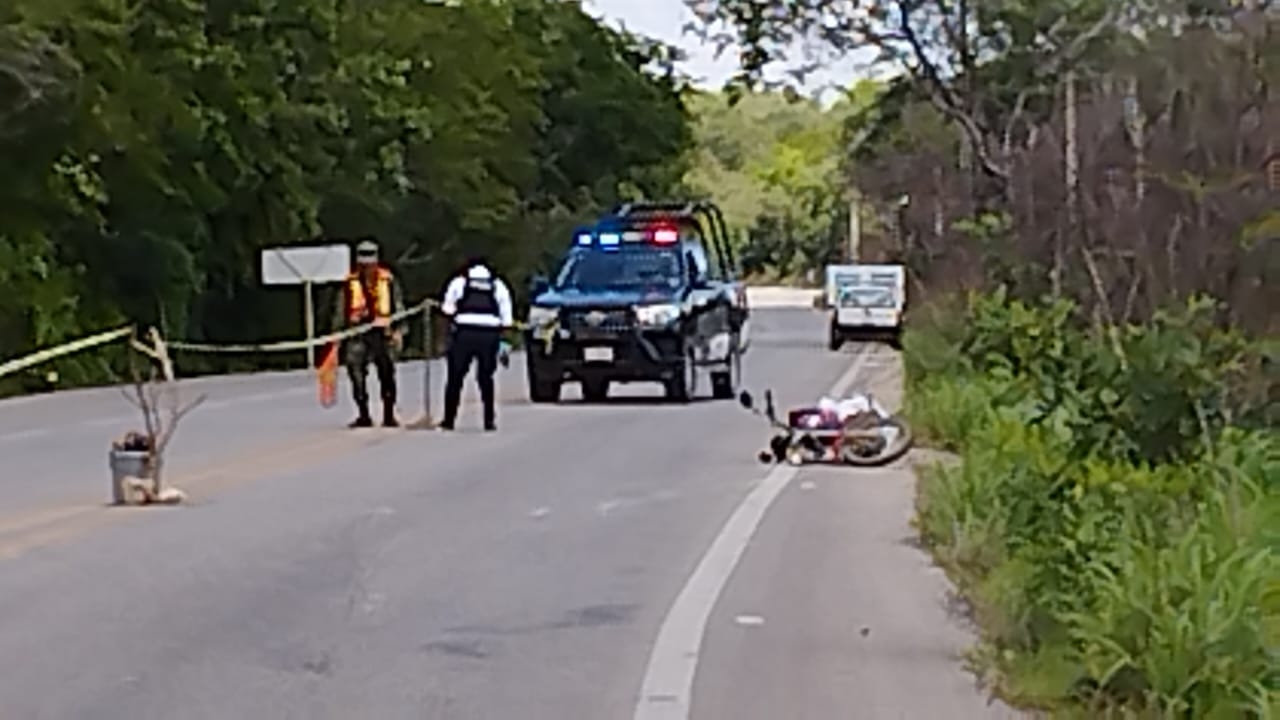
<point x="45" y="528"/>
<point x="26" y="531"/>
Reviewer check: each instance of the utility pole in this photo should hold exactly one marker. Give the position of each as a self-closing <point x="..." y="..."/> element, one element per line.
<point x="904" y="239"/>
<point x="1137" y="135"/>
<point x="1072" y="177"/>
<point x="855" y="226"/>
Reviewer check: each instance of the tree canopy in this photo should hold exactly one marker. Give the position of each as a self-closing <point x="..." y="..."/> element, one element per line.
<point x="153" y="148"/>
<point x="1115" y="152"/>
<point x="771" y="160"/>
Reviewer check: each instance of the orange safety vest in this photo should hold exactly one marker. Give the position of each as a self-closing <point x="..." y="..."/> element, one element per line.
<point x="356" y="300"/>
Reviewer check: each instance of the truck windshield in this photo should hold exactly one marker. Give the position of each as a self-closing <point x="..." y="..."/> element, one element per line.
<point x="866" y="296"/>
<point x="627" y="267"/>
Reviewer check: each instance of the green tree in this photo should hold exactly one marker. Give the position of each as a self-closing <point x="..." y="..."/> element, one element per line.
<point x="154" y="148"/>
<point x="773" y="163"/>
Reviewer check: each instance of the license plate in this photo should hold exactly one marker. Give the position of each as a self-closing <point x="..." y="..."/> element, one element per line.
<point x="597" y="354"/>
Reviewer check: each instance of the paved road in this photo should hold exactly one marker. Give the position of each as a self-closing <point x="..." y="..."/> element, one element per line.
<point x="563" y="568"/>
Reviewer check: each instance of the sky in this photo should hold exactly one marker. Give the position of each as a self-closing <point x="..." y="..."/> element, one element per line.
<point x="665" y="19"/>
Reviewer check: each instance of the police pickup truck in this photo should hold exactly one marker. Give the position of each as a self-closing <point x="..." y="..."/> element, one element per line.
<point x="649" y="293"/>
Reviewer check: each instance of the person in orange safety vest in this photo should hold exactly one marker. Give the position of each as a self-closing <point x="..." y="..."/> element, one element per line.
<point x="371" y="295"/>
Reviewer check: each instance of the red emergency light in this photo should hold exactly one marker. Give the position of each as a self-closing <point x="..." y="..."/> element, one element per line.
<point x="666" y="236"/>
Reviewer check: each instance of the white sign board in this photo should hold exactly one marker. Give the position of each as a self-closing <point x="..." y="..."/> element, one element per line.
<point x="301" y="265"/>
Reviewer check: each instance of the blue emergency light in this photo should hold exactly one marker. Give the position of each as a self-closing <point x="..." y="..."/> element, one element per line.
<point x="613" y="240"/>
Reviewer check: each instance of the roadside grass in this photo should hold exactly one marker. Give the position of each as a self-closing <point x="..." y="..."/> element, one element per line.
<point x="1114" y="520"/>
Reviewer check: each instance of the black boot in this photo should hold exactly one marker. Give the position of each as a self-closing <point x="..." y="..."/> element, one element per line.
<point x="389" y="416"/>
<point x="362" y="420"/>
<point x="450" y="415"/>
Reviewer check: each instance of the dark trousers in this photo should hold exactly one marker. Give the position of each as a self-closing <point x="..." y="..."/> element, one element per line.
<point x="468" y="343"/>
<point x="373" y="346"/>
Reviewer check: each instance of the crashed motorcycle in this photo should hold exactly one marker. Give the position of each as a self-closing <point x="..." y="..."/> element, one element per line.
<point x="854" y="431"/>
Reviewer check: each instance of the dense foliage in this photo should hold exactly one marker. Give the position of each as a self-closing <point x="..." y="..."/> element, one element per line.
<point x="1120" y="153"/>
<point x="153" y="148"/>
<point x="1084" y="172"/>
<point x="1115" y="519"/>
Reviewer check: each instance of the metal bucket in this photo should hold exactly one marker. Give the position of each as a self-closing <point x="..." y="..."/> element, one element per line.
<point x="125" y="463"/>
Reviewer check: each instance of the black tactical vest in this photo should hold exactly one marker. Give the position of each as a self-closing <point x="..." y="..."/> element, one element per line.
<point x="478" y="298"/>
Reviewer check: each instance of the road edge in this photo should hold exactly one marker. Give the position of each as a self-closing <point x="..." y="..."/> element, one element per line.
<point x="666" y="692"/>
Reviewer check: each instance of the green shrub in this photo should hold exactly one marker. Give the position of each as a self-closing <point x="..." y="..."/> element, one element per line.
<point x="1114" y="525"/>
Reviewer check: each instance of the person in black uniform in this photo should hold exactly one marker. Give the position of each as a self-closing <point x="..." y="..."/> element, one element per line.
<point x="478" y="305"/>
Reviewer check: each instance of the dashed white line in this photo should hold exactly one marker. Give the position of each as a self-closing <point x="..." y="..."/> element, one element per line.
<point x="666" y="692"/>
<point x="26" y="434"/>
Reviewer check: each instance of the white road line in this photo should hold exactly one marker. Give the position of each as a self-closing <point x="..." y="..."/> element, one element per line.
<point x="26" y="434"/>
<point x="667" y="690"/>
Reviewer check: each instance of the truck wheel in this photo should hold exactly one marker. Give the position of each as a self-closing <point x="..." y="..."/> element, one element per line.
<point x="834" y="338"/>
<point x="541" y="391"/>
<point x="595" y="390"/>
<point x="546" y="391"/>
<point x="724" y="383"/>
<point x="684" y="386"/>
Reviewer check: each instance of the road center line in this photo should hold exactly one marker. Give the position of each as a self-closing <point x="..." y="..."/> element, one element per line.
<point x="124" y="420"/>
<point x="667" y="690"/>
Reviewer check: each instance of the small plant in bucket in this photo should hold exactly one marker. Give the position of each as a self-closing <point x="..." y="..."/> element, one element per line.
<point x="157" y="396"/>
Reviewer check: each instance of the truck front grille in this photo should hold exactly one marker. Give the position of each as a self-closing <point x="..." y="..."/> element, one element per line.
<point x="598" y="320"/>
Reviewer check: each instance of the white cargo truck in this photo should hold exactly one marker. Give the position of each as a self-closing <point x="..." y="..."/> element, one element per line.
<point x="866" y="303"/>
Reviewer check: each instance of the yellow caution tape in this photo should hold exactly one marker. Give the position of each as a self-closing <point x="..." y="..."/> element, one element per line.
<point x="292" y="345"/>
<point x="546" y="335"/>
<point x="48" y="354"/>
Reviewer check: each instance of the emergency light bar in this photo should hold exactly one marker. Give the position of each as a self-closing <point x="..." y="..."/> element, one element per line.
<point x="658" y="236"/>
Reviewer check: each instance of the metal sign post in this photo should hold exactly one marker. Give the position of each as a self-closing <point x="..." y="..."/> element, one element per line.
<point x="426" y="422"/>
<point x="306" y="266"/>
<point x="428" y="340"/>
<point x="309" y="310"/>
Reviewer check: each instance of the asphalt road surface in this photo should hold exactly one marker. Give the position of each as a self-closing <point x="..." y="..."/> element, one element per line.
<point x="580" y="563"/>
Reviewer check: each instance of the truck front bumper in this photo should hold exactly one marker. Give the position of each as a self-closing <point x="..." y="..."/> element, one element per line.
<point x="636" y="355"/>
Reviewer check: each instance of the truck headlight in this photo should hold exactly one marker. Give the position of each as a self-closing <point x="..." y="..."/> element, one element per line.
<point x="657" y="315"/>
<point x="540" y="317"/>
